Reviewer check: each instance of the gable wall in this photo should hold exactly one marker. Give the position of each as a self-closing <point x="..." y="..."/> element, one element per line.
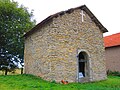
<point x="51" y="52"/>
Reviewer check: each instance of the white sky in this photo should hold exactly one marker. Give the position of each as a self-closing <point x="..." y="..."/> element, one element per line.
<point x="107" y="11"/>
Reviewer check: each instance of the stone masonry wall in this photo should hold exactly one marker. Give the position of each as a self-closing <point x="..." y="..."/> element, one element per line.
<point x="51" y="52"/>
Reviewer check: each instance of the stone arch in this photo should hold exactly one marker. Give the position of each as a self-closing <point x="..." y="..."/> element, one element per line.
<point x="83" y="66"/>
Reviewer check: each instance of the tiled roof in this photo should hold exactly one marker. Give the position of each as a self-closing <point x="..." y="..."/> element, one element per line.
<point x="83" y="7"/>
<point x="112" y="40"/>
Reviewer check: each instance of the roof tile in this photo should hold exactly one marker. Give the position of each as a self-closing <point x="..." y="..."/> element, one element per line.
<point x="112" y="40"/>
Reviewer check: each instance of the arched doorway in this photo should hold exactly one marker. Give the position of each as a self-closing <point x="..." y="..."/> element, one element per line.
<point x="83" y="67"/>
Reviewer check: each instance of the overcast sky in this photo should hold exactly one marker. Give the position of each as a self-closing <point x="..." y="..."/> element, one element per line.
<point x="107" y="11"/>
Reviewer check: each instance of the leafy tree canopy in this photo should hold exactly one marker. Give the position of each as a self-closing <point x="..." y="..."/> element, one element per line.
<point x="14" y="22"/>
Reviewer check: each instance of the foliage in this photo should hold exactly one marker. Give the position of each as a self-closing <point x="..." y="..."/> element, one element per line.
<point x="30" y="82"/>
<point x="53" y="81"/>
<point x="113" y="73"/>
<point x="14" y="22"/>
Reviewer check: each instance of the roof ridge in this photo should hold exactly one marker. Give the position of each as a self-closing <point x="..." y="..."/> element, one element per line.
<point x="113" y="34"/>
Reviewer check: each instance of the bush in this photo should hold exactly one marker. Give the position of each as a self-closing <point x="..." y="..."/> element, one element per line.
<point x="53" y="81"/>
<point x="113" y="73"/>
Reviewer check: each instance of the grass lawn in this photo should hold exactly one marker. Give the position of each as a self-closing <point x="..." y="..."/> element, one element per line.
<point x="29" y="82"/>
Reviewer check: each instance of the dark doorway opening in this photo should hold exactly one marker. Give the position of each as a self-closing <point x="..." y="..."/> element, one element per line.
<point x="82" y="68"/>
<point x="82" y="63"/>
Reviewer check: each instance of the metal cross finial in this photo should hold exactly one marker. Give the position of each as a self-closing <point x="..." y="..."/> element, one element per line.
<point x="82" y="14"/>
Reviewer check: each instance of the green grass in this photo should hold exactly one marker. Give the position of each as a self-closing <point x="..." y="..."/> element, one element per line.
<point x="30" y="82"/>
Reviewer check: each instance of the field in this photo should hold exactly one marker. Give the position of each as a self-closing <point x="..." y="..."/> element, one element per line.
<point x="30" y="82"/>
<point x="17" y="71"/>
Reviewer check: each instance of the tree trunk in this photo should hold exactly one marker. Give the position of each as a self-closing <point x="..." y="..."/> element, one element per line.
<point x="6" y="71"/>
<point x="21" y="70"/>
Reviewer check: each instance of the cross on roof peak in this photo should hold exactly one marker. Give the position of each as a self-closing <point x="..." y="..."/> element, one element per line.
<point x="82" y="14"/>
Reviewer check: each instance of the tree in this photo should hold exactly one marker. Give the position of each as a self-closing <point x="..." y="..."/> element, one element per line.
<point x="14" y="22"/>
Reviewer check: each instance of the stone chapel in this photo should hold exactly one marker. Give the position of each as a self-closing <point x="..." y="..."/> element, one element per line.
<point x="67" y="46"/>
